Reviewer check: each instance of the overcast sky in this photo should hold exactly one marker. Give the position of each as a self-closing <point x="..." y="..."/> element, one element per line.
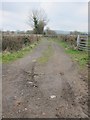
<point x="62" y="15"/>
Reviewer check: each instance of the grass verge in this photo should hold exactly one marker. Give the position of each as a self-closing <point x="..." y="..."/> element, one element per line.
<point x="46" y="55"/>
<point x="0" y="57"/>
<point x="8" y="57"/>
<point x="81" y="57"/>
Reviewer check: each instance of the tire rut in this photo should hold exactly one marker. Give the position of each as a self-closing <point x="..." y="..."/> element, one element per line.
<point x="34" y="90"/>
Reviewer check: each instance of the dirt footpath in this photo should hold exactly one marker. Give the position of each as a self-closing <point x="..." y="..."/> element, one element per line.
<point x="44" y="90"/>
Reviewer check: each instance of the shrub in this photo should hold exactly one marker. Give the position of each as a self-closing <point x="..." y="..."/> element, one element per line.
<point x="17" y="42"/>
<point x="70" y="39"/>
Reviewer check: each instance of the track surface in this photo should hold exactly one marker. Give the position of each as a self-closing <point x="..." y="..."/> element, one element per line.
<point x="49" y="90"/>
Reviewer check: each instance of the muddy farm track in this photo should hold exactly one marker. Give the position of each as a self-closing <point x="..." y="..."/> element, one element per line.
<point x="51" y="89"/>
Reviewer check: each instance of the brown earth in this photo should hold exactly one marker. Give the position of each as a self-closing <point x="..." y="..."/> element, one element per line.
<point x="54" y="89"/>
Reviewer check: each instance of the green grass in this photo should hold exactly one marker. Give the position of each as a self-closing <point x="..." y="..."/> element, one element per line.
<point x="9" y="57"/>
<point x="0" y="57"/>
<point x="46" y="55"/>
<point x="81" y="57"/>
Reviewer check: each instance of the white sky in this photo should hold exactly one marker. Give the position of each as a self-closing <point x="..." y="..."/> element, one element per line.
<point x="62" y="15"/>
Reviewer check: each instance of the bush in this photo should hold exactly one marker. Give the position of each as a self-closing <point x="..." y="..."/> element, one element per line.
<point x="70" y="39"/>
<point x="15" y="43"/>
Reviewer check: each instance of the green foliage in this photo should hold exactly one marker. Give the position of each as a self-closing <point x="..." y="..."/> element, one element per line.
<point x="8" y="57"/>
<point x="35" y="25"/>
<point x="79" y="56"/>
<point x="0" y="57"/>
<point x="40" y="28"/>
<point x="38" y="21"/>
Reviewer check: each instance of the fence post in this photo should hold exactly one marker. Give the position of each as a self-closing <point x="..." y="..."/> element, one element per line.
<point x="78" y="40"/>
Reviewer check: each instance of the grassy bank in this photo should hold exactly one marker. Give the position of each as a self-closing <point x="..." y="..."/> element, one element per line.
<point x="81" y="57"/>
<point x="0" y="57"/>
<point x="46" y="55"/>
<point x="8" y="56"/>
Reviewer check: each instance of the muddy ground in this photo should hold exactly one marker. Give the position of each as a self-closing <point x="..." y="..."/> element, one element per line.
<point x="54" y="89"/>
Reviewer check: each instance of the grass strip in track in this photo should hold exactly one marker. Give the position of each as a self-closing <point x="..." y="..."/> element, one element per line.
<point x="46" y="55"/>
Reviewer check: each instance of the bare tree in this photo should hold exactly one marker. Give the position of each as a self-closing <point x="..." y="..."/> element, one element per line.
<point x="38" y="20"/>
